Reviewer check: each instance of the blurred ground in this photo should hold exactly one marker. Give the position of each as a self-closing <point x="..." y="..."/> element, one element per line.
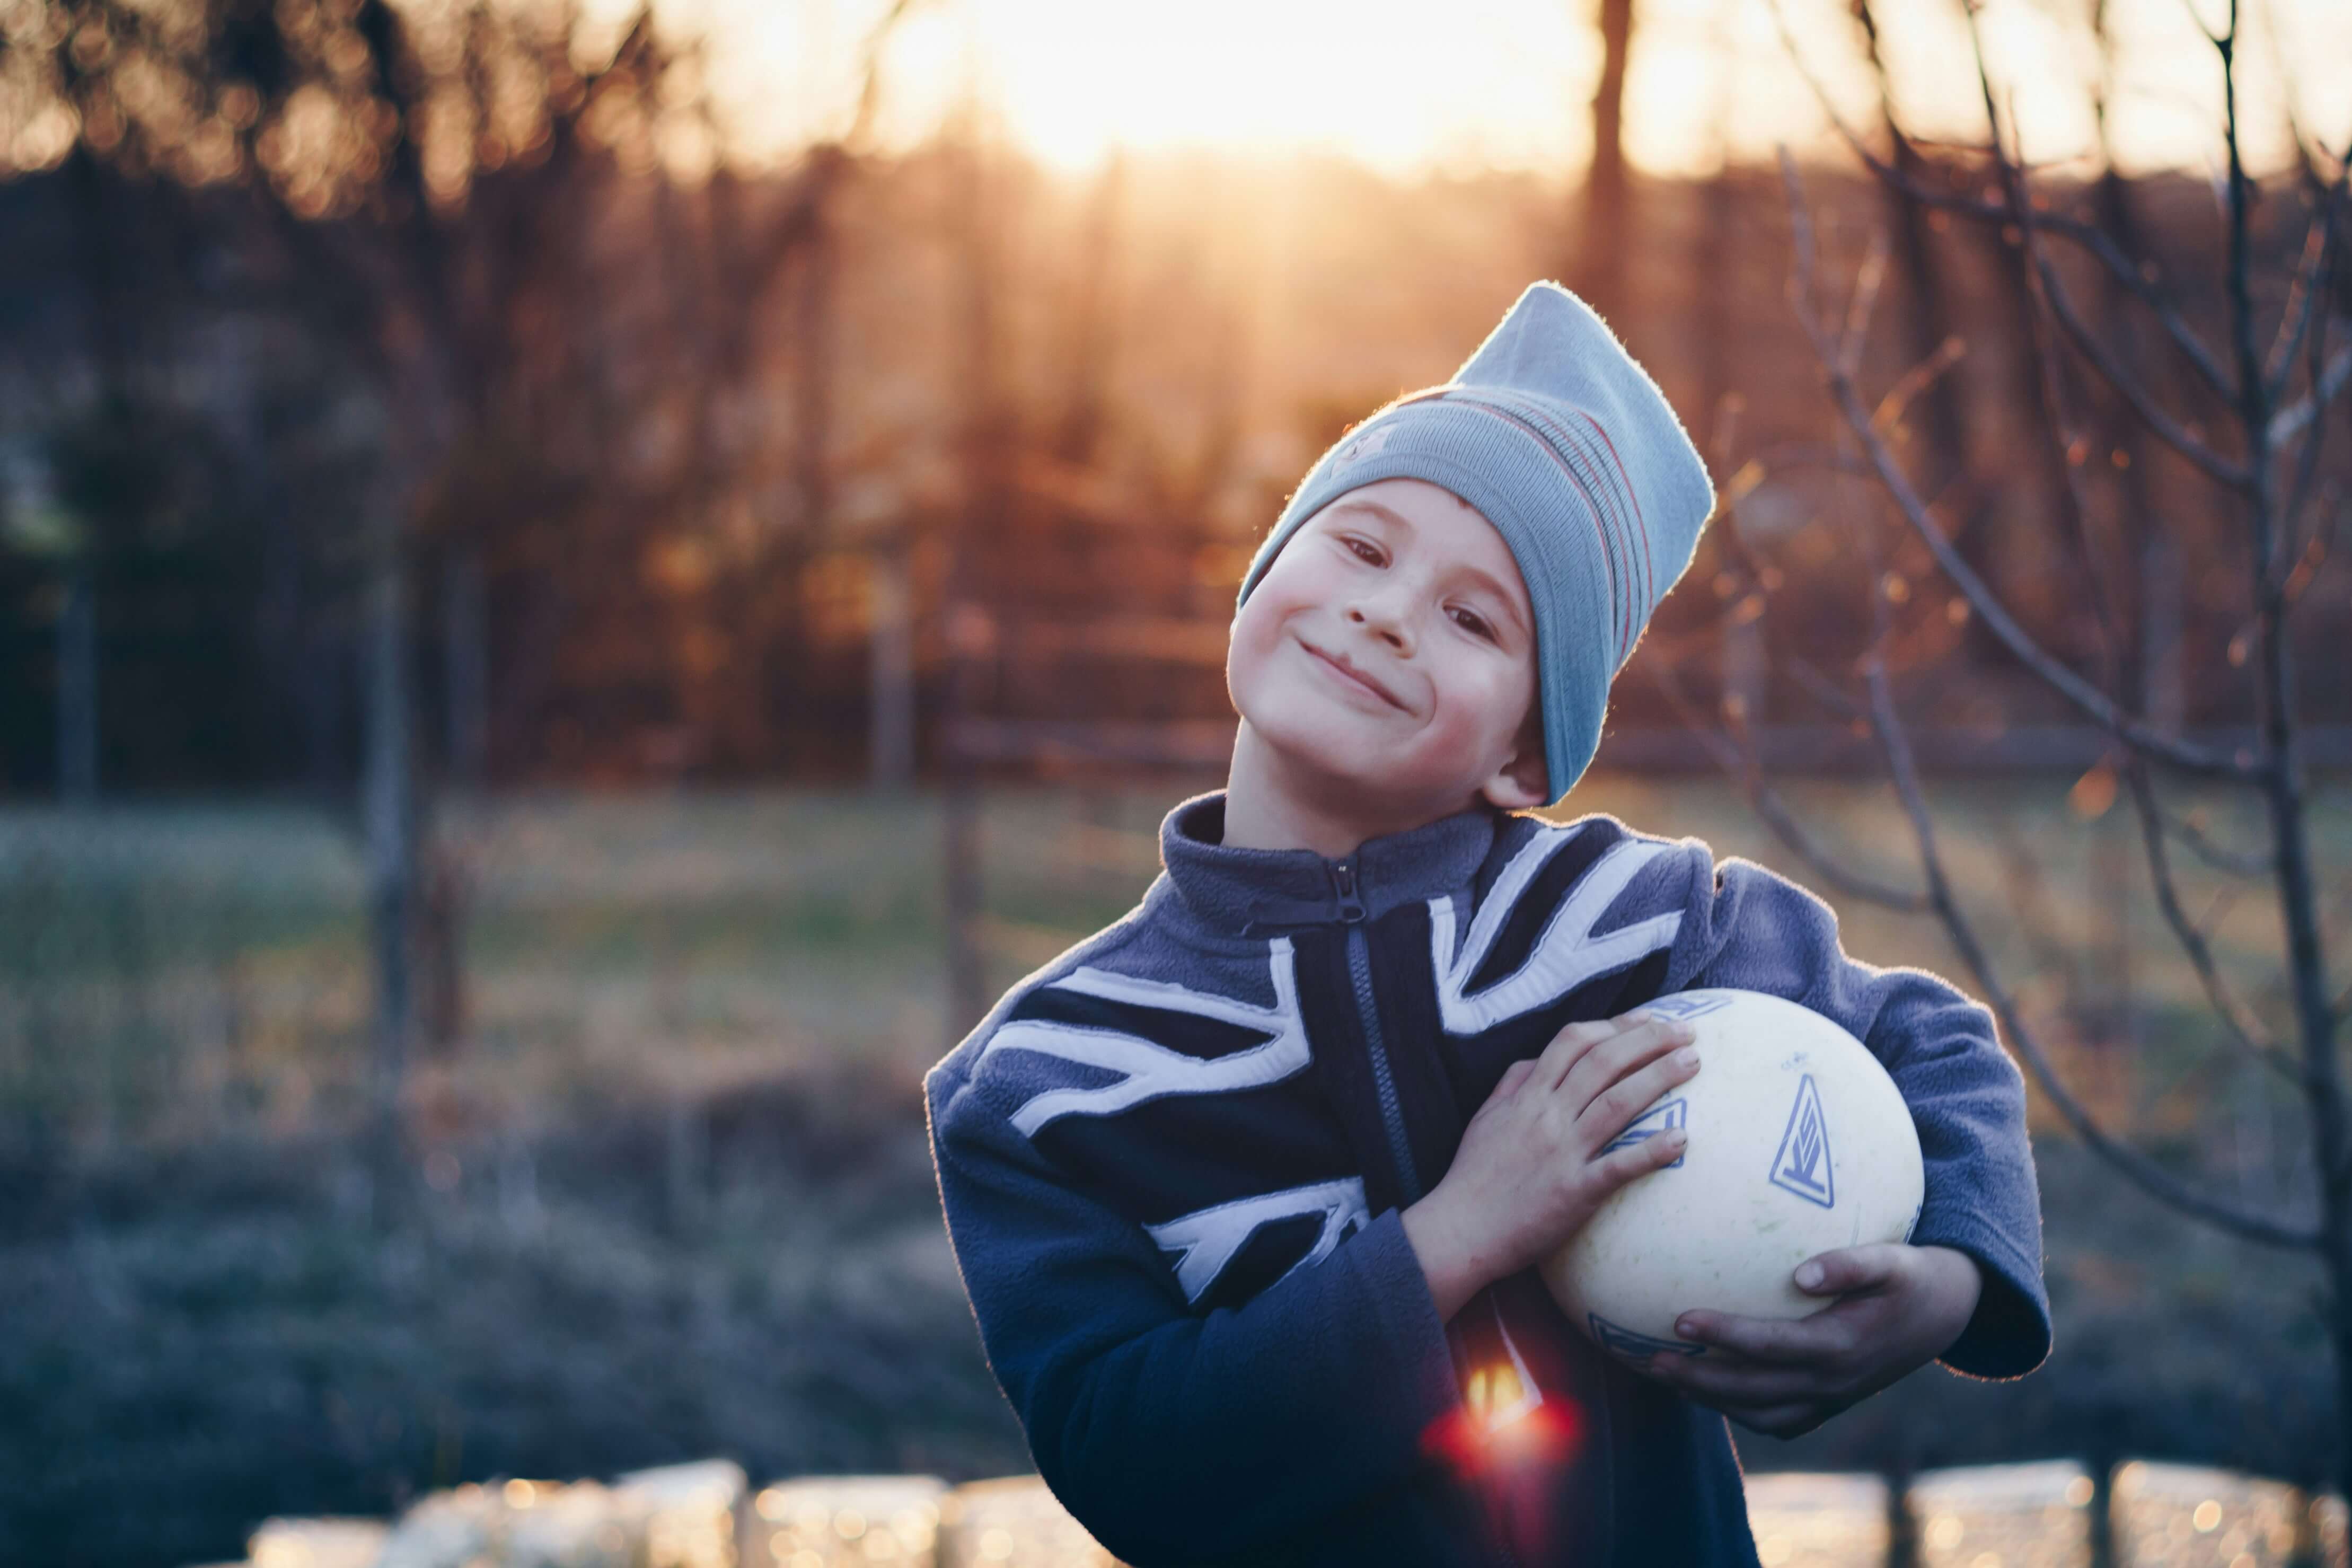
<point x="676" y="1199"/>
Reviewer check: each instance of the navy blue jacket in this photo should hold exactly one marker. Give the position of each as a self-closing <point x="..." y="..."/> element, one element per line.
<point x="1174" y="1159"/>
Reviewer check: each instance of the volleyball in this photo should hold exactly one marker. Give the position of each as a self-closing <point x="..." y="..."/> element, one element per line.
<point x="1799" y="1143"/>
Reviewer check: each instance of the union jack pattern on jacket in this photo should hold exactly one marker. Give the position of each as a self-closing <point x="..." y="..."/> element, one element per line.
<point x="1173" y="1163"/>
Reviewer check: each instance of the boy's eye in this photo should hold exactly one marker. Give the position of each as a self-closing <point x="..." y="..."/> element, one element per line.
<point x="1363" y="549"/>
<point x="1470" y="621"/>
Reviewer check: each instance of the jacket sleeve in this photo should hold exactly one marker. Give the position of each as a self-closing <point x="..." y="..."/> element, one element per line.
<point x="1745" y="927"/>
<point x="1172" y="1436"/>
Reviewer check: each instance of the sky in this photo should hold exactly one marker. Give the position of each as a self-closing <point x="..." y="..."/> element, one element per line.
<point x="1409" y="87"/>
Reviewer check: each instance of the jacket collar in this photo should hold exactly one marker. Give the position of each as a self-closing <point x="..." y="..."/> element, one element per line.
<point x="1248" y="892"/>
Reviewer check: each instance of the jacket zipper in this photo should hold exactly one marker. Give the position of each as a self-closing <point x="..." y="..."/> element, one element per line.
<point x="1359" y="973"/>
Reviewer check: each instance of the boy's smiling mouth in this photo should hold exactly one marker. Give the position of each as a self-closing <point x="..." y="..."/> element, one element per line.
<point x="1348" y="671"/>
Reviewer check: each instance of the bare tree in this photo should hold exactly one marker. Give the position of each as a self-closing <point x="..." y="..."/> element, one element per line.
<point x="2279" y="380"/>
<point x="354" y="135"/>
<point x="1602" y="240"/>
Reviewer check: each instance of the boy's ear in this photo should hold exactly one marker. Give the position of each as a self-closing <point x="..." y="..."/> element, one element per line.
<point x="1519" y="784"/>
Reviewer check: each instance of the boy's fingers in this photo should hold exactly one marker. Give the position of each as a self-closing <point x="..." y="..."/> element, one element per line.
<point x="1615" y="1106"/>
<point x="1568" y="1046"/>
<point x="1849" y="1268"/>
<point x="1613" y="1058"/>
<point x="1621" y="1165"/>
<point x="1723" y="1380"/>
<point x="1517" y="1073"/>
<point x="1782" y="1342"/>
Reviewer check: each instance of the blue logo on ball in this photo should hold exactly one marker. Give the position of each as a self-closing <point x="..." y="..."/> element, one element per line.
<point x="1649" y="1124"/>
<point x="1802" y="1165"/>
<point x="1687" y="1005"/>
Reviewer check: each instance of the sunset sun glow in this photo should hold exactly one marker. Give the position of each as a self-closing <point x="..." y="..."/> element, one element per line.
<point x="1405" y="87"/>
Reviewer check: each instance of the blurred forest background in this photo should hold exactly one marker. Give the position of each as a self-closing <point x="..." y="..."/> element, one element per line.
<point x="566" y="623"/>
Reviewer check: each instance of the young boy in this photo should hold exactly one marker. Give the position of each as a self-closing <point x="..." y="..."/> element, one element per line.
<point x="1255" y="1276"/>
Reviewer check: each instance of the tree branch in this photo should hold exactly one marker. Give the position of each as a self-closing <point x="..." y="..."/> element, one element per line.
<point x="1803" y="454"/>
<point x="1918" y="379"/>
<point x="2135" y="1167"/>
<point x="2246" y="1029"/>
<point x="2237" y="862"/>
<point x="2093" y="240"/>
<point x="2288" y="421"/>
<point x="1744" y="767"/>
<point x="2302" y="288"/>
<point x="2018" y="207"/>
<point x="1825" y="691"/>
<point x="2252" y="398"/>
<point x="2179" y="752"/>
<point x="2170" y="431"/>
<point x="2306" y="464"/>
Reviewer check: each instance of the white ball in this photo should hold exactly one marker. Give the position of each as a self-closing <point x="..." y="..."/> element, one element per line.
<point x="1800" y="1143"/>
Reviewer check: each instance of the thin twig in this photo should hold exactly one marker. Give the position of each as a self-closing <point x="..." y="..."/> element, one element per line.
<point x="2219" y="40"/>
<point x="1913" y="382"/>
<point x="2238" y="862"/>
<point x="1742" y="764"/>
<point x="2252" y="398"/>
<point x="2019" y="207"/>
<point x="2302" y="288"/>
<point x="2179" y="752"/>
<point x="2143" y="1171"/>
<point x="2090" y="238"/>
<point x="1741" y="760"/>
<point x="2115" y="374"/>
<point x="2310" y="560"/>
<point x="1802" y="455"/>
<point x="2287" y="421"/>
<point x="1825" y="691"/>
<point x="869" y="87"/>
<point x="2306" y="464"/>
<point x="1868" y="277"/>
<point x="2246" y="1029"/>
<point x="2075" y="504"/>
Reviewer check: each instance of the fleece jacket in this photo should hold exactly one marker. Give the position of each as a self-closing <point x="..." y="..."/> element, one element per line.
<point x="1174" y="1160"/>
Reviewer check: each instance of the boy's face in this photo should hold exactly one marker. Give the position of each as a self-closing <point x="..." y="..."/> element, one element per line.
<point x="1389" y="651"/>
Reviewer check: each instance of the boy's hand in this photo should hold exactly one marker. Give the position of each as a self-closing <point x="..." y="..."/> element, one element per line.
<point x="1898" y="1308"/>
<point x="1530" y="1170"/>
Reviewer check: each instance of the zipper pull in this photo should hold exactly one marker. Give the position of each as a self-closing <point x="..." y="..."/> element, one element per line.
<point x="1343" y="883"/>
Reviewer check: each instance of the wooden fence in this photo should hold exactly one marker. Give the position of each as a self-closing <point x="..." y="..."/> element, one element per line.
<point x="1204" y="745"/>
<point x="2048" y="1515"/>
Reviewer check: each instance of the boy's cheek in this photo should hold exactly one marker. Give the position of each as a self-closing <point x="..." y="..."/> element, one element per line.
<point x="1465" y="718"/>
<point x="1248" y="680"/>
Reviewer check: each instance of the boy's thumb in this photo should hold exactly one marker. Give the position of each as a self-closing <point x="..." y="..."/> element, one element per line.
<point x="1847" y="1269"/>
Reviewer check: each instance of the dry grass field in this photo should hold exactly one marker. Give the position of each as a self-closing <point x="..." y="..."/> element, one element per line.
<point x="675" y="1198"/>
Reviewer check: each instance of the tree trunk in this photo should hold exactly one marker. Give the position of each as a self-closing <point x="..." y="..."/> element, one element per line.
<point x="2164" y="689"/>
<point x="959" y="868"/>
<point x="390" y="812"/>
<point x="465" y="666"/>
<point x="1600" y="242"/>
<point x="980" y="524"/>
<point x="77" y="689"/>
<point x="891" y="733"/>
<point x="2314" y="1011"/>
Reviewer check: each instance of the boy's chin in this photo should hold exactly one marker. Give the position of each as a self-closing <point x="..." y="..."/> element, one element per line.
<point x="1362" y="773"/>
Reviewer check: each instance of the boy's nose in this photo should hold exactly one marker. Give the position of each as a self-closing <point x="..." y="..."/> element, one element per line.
<point x="1380" y="618"/>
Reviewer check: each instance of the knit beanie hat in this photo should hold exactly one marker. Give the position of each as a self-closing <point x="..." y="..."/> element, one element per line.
<point x="1569" y="448"/>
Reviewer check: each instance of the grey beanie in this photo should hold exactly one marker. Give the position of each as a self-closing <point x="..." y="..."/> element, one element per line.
<point x="1569" y="448"/>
